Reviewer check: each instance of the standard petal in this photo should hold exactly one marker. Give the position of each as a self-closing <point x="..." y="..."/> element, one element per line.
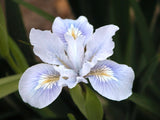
<point x="75" y="51"/>
<point x="112" y="80"/>
<point x="101" y="45"/>
<point x="48" y="47"/>
<point x="64" y="26"/>
<point x="38" y="85"/>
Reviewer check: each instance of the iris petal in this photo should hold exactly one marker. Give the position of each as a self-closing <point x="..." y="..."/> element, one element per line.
<point x="101" y="45"/>
<point x="61" y="26"/>
<point x="48" y="47"/>
<point x="75" y="51"/>
<point x="38" y="85"/>
<point x="112" y="80"/>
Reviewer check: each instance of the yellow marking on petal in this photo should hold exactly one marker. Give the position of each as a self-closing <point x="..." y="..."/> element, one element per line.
<point x="99" y="73"/>
<point x="73" y="34"/>
<point x="47" y="81"/>
<point x="103" y="74"/>
<point x="50" y="79"/>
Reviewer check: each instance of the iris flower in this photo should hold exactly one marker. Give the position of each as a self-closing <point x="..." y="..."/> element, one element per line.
<point x="73" y="53"/>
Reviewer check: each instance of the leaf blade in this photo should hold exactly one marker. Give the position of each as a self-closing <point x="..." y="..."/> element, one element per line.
<point x="9" y="85"/>
<point x="35" y="9"/>
<point x="93" y="106"/>
<point x="4" y="49"/>
<point x="78" y="98"/>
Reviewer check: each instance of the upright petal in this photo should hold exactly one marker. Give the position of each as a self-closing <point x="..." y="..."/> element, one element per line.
<point x="101" y="45"/>
<point x="75" y="51"/>
<point x="48" y="47"/>
<point x="38" y="85"/>
<point x="112" y="80"/>
<point x="72" y="27"/>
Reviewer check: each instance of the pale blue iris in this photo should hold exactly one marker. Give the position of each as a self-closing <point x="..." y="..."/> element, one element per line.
<point x="72" y="53"/>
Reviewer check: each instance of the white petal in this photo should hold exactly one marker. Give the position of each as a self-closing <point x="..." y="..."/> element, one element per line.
<point x="86" y="67"/>
<point x="75" y="51"/>
<point x="101" y="45"/>
<point x="48" y="47"/>
<point x="38" y="85"/>
<point x="61" y="26"/>
<point x="68" y="77"/>
<point x="112" y="80"/>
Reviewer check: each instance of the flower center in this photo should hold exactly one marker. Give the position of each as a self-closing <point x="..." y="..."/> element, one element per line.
<point x="73" y="31"/>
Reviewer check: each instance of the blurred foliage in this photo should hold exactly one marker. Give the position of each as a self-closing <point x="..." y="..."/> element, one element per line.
<point x="137" y="44"/>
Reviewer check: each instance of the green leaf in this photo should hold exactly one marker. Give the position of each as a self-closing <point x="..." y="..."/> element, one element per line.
<point x="93" y="106"/>
<point x="88" y="103"/>
<point x="146" y="103"/>
<point x="71" y="116"/>
<point x="4" y="49"/>
<point x="35" y="9"/>
<point x="5" y="43"/>
<point x="79" y="99"/>
<point x="2" y="18"/>
<point x="13" y="15"/>
<point x="18" y="55"/>
<point x="9" y="85"/>
<point x="143" y="30"/>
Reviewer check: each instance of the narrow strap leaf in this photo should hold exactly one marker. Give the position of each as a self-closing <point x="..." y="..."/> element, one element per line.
<point x="4" y="49"/>
<point x="13" y="15"/>
<point x="87" y="102"/>
<point x="9" y="85"/>
<point x="93" y="106"/>
<point x="35" y="9"/>
<point x="78" y="98"/>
